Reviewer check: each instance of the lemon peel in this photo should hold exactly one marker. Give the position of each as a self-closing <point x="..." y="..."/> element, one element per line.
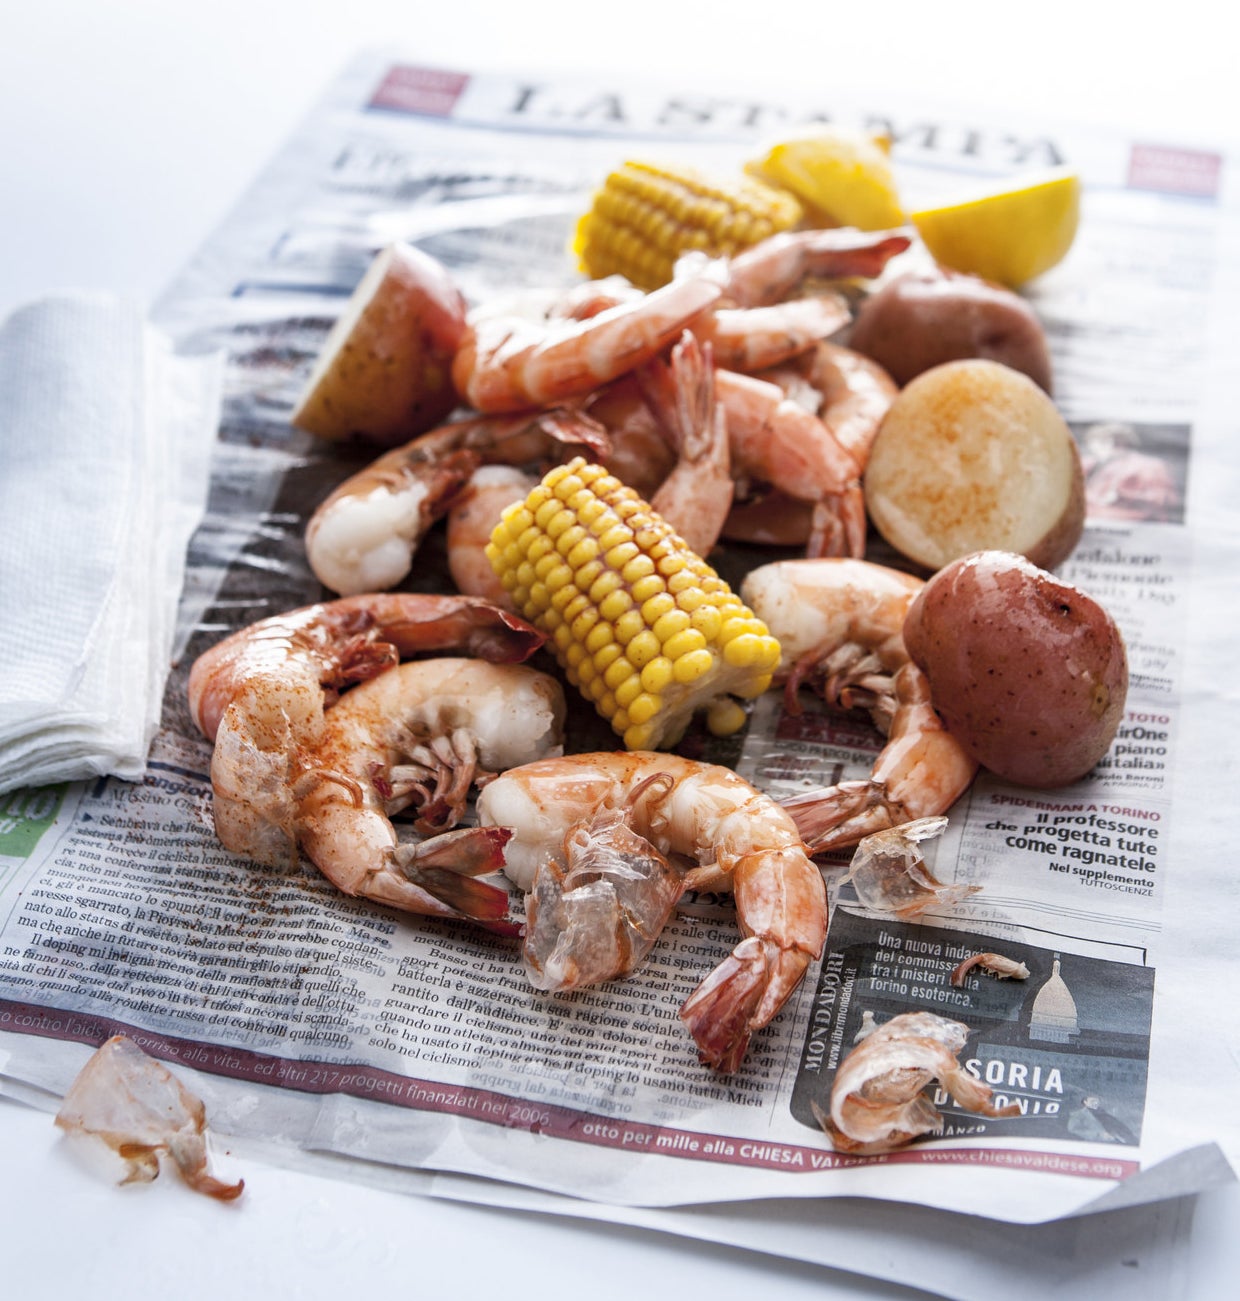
<point x="843" y="177"/>
<point x="1010" y="232"/>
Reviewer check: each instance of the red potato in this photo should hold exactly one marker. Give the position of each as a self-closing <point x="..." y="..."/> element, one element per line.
<point x="971" y="456"/>
<point x="1026" y="671"/>
<point x="385" y="371"/>
<point x="923" y="318"/>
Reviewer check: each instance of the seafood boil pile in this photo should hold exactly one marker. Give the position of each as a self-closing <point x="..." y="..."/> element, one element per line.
<point x="805" y="383"/>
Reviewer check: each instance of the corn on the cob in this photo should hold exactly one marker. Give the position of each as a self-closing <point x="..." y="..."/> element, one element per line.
<point x="645" y="216"/>
<point x="640" y="623"/>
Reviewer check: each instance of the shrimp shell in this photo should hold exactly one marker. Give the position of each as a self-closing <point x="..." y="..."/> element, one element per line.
<point x="877" y="1104"/>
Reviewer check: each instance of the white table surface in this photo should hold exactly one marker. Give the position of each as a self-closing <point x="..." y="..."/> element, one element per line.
<point x="127" y="131"/>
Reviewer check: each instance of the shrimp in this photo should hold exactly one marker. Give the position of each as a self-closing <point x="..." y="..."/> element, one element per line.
<point x="877" y="1103"/>
<point x="420" y="737"/>
<point x="665" y="405"/>
<point x="318" y="650"/>
<point x="1000" y="967"/>
<point x="840" y="626"/>
<point x="471" y="522"/>
<point x="772" y="270"/>
<point x="696" y="496"/>
<point x="849" y="393"/>
<point x="775" y="440"/>
<point x="363" y="537"/>
<point x="261" y="694"/>
<point x="507" y="362"/>
<point x="707" y="814"/>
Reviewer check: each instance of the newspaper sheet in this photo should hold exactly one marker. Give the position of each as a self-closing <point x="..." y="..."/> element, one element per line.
<point x="320" y="1024"/>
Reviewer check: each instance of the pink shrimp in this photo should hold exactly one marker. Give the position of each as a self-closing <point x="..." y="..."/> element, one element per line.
<point x="704" y="813"/>
<point x="771" y="271"/>
<point x="840" y="626"/>
<point x="776" y="441"/>
<point x="508" y="362"/>
<point x="363" y="537"/>
<point x="261" y="694"/>
<point x="420" y="737"/>
<point x="850" y="395"/>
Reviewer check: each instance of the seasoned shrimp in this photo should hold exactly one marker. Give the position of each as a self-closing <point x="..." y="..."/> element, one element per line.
<point x="260" y="694"/>
<point x="753" y="338"/>
<point x="774" y="440"/>
<point x="840" y="627"/>
<point x="363" y="537"/>
<point x="707" y="814"/>
<point x="849" y="393"/>
<point x="420" y="737"/>
<point x="508" y="362"/>
<point x="316" y="651"/>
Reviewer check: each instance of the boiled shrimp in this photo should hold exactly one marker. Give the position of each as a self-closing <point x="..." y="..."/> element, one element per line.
<point x="774" y="440"/>
<point x="318" y="650"/>
<point x="849" y="393"/>
<point x="696" y="496"/>
<point x="840" y="628"/>
<point x="665" y="414"/>
<point x="508" y="362"/>
<point x="708" y="815"/>
<point x="420" y="737"/>
<point x="363" y="537"/>
<point x="780" y="265"/>
<point x="261" y="694"/>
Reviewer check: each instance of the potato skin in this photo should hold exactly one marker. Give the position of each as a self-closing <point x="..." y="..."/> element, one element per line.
<point x="923" y="318"/>
<point x="1028" y="672"/>
<point x="385" y="372"/>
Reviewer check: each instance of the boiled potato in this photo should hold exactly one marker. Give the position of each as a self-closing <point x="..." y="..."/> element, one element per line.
<point x="971" y="456"/>
<point x="385" y="371"/>
<point x="923" y="318"/>
<point x="1027" y="672"/>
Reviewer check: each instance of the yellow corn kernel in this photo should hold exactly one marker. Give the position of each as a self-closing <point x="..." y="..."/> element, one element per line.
<point x="645" y="216"/>
<point x="645" y="628"/>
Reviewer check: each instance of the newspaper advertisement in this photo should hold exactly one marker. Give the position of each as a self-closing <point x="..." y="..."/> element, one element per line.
<point x="325" y="1024"/>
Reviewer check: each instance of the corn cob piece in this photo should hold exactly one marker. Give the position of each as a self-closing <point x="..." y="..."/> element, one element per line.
<point x="640" y="623"/>
<point x="644" y="217"/>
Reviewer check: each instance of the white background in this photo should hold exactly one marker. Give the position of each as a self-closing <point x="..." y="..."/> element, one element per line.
<point x="127" y="131"/>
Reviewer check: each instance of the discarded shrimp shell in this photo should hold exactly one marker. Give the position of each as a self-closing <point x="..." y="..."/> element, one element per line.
<point x="877" y="1103"/>
<point x="140" y="1109"/>
<point x="995" y="963"/>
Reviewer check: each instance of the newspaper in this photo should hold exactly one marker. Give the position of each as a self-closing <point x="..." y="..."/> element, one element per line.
<point x="323" y="1025"/>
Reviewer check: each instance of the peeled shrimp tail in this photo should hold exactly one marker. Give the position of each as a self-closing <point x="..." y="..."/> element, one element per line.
<point x="781" y="908"/>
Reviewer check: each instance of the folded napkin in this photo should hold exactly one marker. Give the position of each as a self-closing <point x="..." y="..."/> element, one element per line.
<point x="105" y="438"/>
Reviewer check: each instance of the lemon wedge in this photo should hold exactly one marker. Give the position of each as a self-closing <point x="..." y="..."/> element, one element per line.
<point x="1009" y="233"/>
<point x="842" y="176"/>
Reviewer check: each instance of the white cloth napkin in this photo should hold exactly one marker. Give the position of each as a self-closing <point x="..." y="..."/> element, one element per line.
<point x="105" y="438"/>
